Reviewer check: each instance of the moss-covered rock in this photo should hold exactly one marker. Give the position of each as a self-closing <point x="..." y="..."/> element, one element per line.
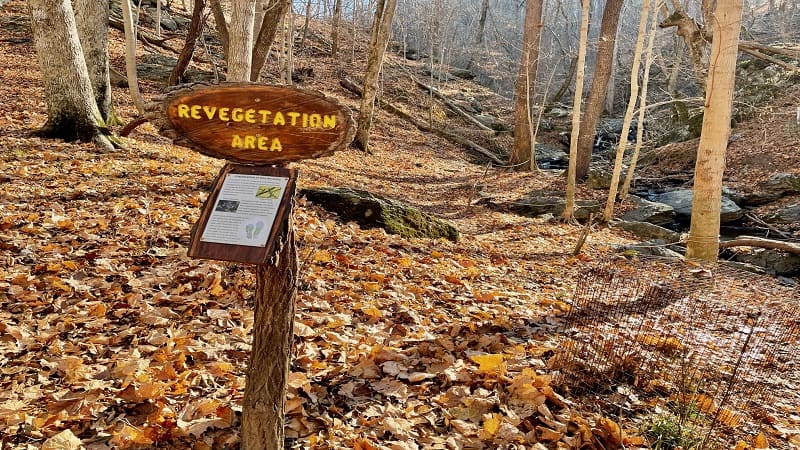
<point x="373" y="211"/>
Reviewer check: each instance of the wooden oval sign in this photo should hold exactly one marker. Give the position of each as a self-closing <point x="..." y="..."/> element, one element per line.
<point x="254" y="123"/>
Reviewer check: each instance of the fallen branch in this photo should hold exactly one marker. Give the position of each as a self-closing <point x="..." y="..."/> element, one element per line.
<point x="753" y="45"/>
<point x="422" y="126"/>
<point x="752" y="241"/>
<point x="147" y="38"/>
<point x="762" y="56"/>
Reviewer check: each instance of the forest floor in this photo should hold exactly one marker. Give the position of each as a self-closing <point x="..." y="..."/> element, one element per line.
<point x="111" y="337"/>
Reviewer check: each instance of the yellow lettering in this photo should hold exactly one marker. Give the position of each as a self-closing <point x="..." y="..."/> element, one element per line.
<point x="250" y="116"/>
<point x="276" y="145"/>
<point x="264" y="113"/>
<point x="237" y="142"/>
<point x="278" y="120"/>
<point x="223" y="114"/>
<point x="195" y="111"/>
<point x="294" y="116"/>
<point x="263" y="143"/>
<point x="237" y="114"/>
<point x="250" y="142"/>
<point x="305" y="120"/>
<point x="315" y="121"/>
<point x="183" y="111"/>
<point x="329" y="121"/>
<point x="210" y="110"/>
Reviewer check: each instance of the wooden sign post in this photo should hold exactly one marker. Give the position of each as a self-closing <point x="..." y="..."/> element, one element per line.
<point x="248" y="214"/>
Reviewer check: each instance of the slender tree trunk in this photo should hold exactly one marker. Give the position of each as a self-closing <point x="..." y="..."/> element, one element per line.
<point x="195" y="29"/>
<point x="569" y="207"/>
<point x="130" y="56"/>
<point x="379" y="37"/>
<point x="703" y="240"/>
<point x="305" y="24"/>
<point x="337" y="18"/>
<point x="91" y="16"/>
<point x="611" y="88"/>
<point x="482" y="22"/>
<point x="72" y="112"/>
<point x="222" y="26"/>
<point x="267" y="371"/>
<point x="240" y="35"/>
<point x="626" y="121"/>
<point x="602" y="73"/>
<point x="648" y="61"/>
<point x="275" y="13"/>
<point x="523" y="150"/>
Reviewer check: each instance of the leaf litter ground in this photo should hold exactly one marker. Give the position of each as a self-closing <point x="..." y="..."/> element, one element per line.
<point x="110" y="337"/>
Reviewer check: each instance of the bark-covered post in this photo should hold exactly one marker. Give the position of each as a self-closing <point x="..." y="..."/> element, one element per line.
<point x="263" y="128"/>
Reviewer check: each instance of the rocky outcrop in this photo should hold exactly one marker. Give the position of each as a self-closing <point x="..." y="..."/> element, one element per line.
<point x="681" y="201"/>
<point x="787" y="215"/>
<point x="775" y="187"/>
<point x="652" y="212"/>
<point x="550" y="156"/>
<point x="646" y="230"/>
<point x="373" y="211"/>
<point x="774" y="261"/>
<point x="155" y="67"/>
<point x="541" y="202"/>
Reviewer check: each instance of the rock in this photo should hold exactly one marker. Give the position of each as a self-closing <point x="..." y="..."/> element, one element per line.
<point x="492" y="122"/>
<point x="652" y="212"/>
<point x="373" y="211"/>
<point x="539" y="203"/>
<point x="599" y="176"/>
<point x="775" y="187"/>
<point x="654" y="247"/>
<point x="157" y="67"/>
<point x="647" y="230"/>
<point x="464" y="74"/>
<point x="789" y="214"/>
<point x="681" y="200"/>
<point x="773" y="261"/>
<point x="447" y="73"/>
<point x="549" y="156"/>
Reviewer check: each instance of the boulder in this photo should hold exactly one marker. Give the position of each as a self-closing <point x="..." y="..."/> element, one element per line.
<point x="652" y="212"/>
<point x="775" y="187"/>
<point x="550" y="156"/>
<point x="655" y="247"/>
<point x="492" y="122"/>
<point x="541" y="202"/>
<point x="374" y="211"/>
<point x="773" y="261"/>
<point x="647" y="230"/>
<point x="155" y="67"/>
<point x="788" y="215"/>
<point x="599" y="176"/>
<point x="681" y="200"/>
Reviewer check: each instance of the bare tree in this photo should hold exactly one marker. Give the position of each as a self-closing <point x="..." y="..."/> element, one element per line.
<point x="72" y="112"/>
<point x="569" y="207"/>
<point x="523" y="150"/>
<point x="379" y="37"/>
<point x="91" y="18"/>
<point x="703" y="240"/>
<point x="597" y="93"/>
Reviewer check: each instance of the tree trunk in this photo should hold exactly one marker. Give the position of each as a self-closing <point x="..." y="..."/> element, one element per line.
<point x="379" y="37"/>
<point x="240" y="35"/>
<point x="268" y="369"/>
<point x="602" y="73"/>
<point x="91" y="18"/>
<point x="72" y="113"/>
<point x="195" y="28"/>
<point x="569" y="207"/>
<point x="130" y="56"/>
<point x="626" y="121"/>
<point x="337" y="18"/>
<point x="222" y="26"/>
<point x="703" y="240"/>
<point x="694" y="39"/>
<point x="266" y="34"/>
<point x="648" y="61"/>
<point x="482" y="21"/>
<point x="523" y="150"/>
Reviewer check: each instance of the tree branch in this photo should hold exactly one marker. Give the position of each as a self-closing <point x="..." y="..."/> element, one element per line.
<point x="751" y="241"/>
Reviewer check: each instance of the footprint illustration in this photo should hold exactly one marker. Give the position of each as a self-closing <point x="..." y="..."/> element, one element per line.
<point x="249" y="229"/>
<point x="259" y="227"/>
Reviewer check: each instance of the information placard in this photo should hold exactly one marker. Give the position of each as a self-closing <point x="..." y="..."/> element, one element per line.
<point x="244" y="213"/>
